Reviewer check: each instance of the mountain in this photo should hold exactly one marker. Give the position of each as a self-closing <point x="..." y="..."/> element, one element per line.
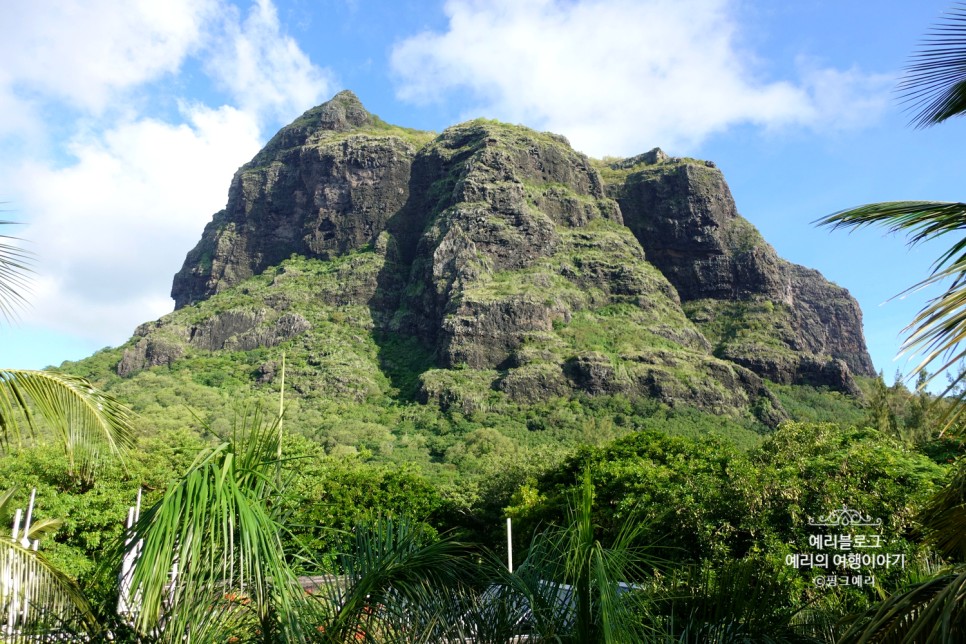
<point x="491" y="265"/>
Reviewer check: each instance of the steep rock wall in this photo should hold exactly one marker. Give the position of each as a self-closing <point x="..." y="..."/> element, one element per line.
<point x="683" y="214"/>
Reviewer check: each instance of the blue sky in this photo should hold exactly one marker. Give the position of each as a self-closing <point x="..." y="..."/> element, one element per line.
<point x="124" y="122"/>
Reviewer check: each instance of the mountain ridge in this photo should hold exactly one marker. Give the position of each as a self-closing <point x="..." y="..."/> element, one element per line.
<point x="511" y="262"/>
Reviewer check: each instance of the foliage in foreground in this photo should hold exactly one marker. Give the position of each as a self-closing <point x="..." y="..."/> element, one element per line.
<point x="719" y="518"/>
<point x="211" y="535"/>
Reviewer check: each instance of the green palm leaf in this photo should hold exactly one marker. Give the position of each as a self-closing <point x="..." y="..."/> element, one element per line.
<point x="14" y="269"/>
<point x="571" y="586"/>
<point x="938" y="329"/>
<point x="396" y="586"/>
<point x="210" y="560"/>
<point x="87" y="422"/>
<point x="927" y="612"/>
<point x="38" y="527"/>
<point x="37" y="601"/>
<point x="943" y="518"/>
<point x="934" y="84"/>
<point x="47" y="605"/>
<point x="597" y="570"/>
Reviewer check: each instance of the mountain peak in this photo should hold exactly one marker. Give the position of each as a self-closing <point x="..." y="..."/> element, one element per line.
<point x="501" y="250"/>
<point x="344" y="112"/>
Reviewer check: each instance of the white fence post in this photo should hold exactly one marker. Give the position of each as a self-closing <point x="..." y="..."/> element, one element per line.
<point x="14" y="573"/>
<point x="509" y="545"/>
<point x="127" y="605"/>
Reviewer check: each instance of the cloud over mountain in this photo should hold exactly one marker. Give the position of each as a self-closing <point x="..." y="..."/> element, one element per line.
<point x="620" y="76"/>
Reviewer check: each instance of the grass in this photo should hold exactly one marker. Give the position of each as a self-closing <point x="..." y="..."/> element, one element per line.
<point x="615" y="170"/>
<point x="752" y="322"/>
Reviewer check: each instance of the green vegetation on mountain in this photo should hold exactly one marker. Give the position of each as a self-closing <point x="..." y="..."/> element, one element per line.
<point x="474" y="325"/>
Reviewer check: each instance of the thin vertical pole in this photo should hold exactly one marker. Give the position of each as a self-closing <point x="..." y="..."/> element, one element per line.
<point x="509" y="545"/>
<point x="25" y="542"/>
<point x="281" y="410"/>
<point x="281" y="396"/>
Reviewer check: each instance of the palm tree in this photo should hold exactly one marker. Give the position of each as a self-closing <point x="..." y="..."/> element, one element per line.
<point x="934" y="87"/>
<point x="395" y="585"/>
<point x="37" y="601"/>
<point x="87" y="422"/>
<point x="933" y="610"/>
<point x="210" y="561"/>
<point x="571" y="587"/>
<point x="40" y="603"/>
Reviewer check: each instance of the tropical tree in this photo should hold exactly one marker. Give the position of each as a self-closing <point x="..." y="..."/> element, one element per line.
<point x="572" y="586"/>
<point x="209" y="560"/>
<point x="394" y="585"/>
<point x="934" y="87"/>
<point x="39" y="602"/>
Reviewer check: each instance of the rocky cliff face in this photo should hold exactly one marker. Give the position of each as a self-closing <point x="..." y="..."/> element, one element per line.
<point x="732" y="282"/>
<point x="507" y="199"/>
<point x="324" y="185"/>
<point x="509" y="255"/>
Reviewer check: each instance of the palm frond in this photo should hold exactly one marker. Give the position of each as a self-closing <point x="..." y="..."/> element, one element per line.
<point x="931" y="611"/>
<point x="934" y="84"/>
<point x="937" y="331"/>
<point x="210" y="558"/>
<point x="598" y="572"/>
<point x="38" y="527"/>
<point x="942" y="519"/>
<point x="571" y="586"/>
<point x="14" y="271"/>
<point x="86" y="421"/>
<point x="38" y="603"/>
<point x="395" y="586"/>
<point x="526" y="601"/>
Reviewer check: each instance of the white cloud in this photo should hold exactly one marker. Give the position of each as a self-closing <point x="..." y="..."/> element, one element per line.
<point x="615" y="76"/>
<point x="85" y="51"/>
<point x="843" y="99"/>
<point x="111" y="229"/>
<point x="265" y="71"/>
<point x="118" y="194"/>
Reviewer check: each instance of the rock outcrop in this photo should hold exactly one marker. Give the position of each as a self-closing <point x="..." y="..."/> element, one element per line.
<point x="161" y="343"/>
<point x="518" y="264"/>
<point x="682" y="212"/>
<point x="323" y="186"/>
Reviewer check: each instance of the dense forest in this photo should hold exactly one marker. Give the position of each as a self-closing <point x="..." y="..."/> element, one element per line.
<point x="706" y="517"/>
